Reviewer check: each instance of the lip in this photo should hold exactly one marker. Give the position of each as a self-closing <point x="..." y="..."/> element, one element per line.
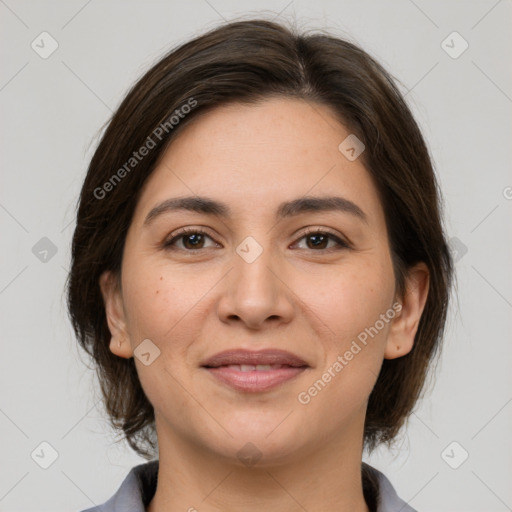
<point x="255" y="381"/>
<point x="241" y="356"/>
<point x="226" y="368"/>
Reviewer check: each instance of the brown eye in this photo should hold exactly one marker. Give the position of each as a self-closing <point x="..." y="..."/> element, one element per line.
<point x="319" y="240"/>
<point x="191" y="239"/>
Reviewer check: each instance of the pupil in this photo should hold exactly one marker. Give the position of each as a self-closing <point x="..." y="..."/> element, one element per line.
<point x="317" y="237"/>
<point x="195" y="238"/>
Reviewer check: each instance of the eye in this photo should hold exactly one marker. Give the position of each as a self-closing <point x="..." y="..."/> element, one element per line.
<point x="320" y="238"/>
<point x="193" y="239"/>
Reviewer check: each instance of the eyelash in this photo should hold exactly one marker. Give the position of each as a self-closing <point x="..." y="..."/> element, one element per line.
<point x="168" y="244"/>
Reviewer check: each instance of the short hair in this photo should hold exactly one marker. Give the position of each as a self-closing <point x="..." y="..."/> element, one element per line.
<point x="247" y="62"/>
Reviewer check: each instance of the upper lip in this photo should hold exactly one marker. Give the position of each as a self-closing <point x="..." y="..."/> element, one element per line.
<point x="241" y="356"/>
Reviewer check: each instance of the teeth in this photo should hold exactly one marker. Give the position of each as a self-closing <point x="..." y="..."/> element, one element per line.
<point x="251" y="367"/>
<point x="263" y="367"/>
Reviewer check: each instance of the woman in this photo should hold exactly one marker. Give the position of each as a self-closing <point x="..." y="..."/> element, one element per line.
<point x="260" y="273"/>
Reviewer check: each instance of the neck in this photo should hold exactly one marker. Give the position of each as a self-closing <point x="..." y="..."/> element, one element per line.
<point x="327" y="476"/>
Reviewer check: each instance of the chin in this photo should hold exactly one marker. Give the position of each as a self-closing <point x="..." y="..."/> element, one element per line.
<point x="261" y="444"/>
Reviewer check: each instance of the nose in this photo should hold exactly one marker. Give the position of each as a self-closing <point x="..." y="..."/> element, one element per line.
<point x="256" y="293"/>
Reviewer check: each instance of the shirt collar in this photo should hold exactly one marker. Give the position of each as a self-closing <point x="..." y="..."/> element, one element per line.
<point x="139" y="487"/>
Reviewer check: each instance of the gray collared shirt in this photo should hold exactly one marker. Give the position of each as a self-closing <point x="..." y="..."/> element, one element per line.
<point x="139" y="487"/>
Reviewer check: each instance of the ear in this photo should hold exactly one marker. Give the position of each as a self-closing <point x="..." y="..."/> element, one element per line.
<point x="405" y="323"/>
<point x="114" y="310"/>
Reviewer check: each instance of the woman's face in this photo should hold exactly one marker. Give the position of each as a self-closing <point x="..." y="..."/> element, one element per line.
<point x="256" y="280"/>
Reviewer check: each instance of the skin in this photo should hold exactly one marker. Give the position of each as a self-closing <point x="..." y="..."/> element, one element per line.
<point x="312" y="301"/>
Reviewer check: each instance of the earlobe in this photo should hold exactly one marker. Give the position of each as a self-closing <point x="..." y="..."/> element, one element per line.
<point x="114" y="311"/>
<point x="405" y="324"/>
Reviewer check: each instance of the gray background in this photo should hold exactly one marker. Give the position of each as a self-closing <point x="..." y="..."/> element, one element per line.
<point x="52" y="111"/>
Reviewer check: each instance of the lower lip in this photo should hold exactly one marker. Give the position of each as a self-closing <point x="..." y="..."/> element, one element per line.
<point x="255" y="380"/>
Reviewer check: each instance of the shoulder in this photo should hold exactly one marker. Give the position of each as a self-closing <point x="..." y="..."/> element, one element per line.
<point x="136" y="491"/>
<point x="387" y="498"/>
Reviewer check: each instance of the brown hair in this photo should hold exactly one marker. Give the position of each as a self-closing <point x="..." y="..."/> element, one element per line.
<point x="249" y="61"/>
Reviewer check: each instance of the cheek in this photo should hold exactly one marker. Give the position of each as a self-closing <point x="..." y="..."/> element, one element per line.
<point x="153" y="302"/>
<point x="358" y="316"/>
<point x="349" y="300"/>
<point x="166" y="307"/>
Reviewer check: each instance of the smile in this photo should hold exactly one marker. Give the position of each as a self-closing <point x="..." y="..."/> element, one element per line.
<point x="254" y="378"/>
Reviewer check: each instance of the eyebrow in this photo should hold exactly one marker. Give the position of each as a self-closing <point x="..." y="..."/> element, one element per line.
<point x="208" y="206"/>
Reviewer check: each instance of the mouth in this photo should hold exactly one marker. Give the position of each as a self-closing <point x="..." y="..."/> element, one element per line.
<point x="252" y="367"/>
<point x="254" y="372"/>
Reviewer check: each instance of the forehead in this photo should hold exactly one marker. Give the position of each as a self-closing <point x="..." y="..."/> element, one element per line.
<point x="253" y="156"/>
